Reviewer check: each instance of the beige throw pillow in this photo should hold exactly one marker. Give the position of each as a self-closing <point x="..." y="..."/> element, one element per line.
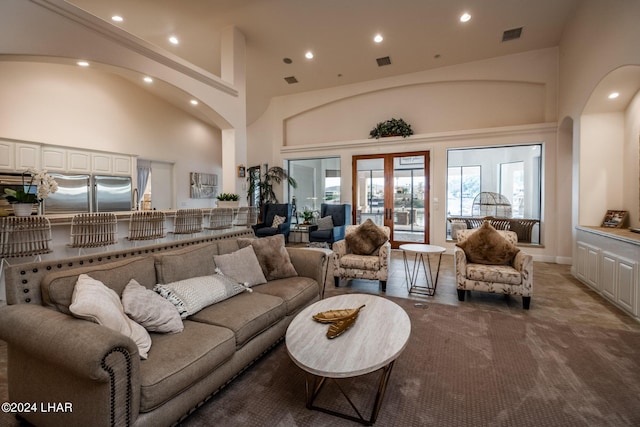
<point x="95" y="302"/>
<point x="487" y="246"/>
<point x="272" y="256"/>
<point x="325" y="223"/>
<point x="366" y="238"/>
<point x="241" y="265"/>
<point x="154" y="313"/>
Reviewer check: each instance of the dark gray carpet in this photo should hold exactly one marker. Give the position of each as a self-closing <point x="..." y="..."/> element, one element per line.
<point x="463" y="366"/>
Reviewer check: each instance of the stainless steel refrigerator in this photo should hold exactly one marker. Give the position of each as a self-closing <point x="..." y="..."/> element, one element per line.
<point x="86" y="193"/>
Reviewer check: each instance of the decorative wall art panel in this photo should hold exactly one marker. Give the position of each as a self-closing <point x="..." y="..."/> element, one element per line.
<point x="203" y="185"/>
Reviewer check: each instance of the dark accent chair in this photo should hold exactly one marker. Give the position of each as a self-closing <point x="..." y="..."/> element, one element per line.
<point x="270" y="210"/>
<point x="341" y="217"/>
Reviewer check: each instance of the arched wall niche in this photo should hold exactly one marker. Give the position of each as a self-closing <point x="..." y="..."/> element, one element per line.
<point x="428" y="107"/>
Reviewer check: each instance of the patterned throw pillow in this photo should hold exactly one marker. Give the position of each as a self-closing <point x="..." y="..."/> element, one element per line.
<point x="487" y="246"/>
<point x="277" y="220"/>
<point x="192" y="295"/>
<point x="325" y="223"/>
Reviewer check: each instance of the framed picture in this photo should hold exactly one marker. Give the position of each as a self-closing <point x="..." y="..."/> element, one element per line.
<point x="203" y="185"/>
<point x="242" y="171"/>
<point x="615" y="219"/>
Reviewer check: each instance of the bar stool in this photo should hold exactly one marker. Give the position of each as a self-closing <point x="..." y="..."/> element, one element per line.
<point x="146" y="225"/>
<point x="22" y="237"/>
<point x="93" y="230"/>
<point x="247" y="216"/>
<point x="220" y="218"/>
<point x="188" y="221"/>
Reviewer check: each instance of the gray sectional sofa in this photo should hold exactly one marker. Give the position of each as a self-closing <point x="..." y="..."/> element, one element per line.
<point x="54" y="357"/>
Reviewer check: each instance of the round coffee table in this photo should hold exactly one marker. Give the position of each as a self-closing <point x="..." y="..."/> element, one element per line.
<point x="373" y="343"/>
<point x="420" y="250"/>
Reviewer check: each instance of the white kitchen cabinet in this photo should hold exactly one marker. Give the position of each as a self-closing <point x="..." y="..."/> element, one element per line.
<point x="7" y="155"/>
<point x="54" y="159"/>
<point x="102" y="163"/>
<point x="588" y="265"/>
<point x="78" y="161"/>
<point x="122" y="165"/>
<point x="27" y="156"/>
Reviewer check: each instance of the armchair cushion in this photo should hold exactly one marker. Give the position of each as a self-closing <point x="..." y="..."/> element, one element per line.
<point x="487" y="246"/>
<point x="366" y="239"/>
<point x="325" y="223"/>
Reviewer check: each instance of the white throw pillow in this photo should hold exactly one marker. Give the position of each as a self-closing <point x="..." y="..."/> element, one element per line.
<point x="95" y="302"/>
<point x="241" y="265"/>
<point x="277" y="220"/>
<point x="154" y="313"/>
<point x="192" y="295"/>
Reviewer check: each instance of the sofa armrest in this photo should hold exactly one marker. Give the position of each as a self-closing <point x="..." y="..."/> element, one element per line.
<point x="385" y="256"/>
<point x="54" y="357"/>
<point x="523" y="262"/>
<point x="340" y="247"/>
<point x="460" y="264"/>
<point x="311" y="263"/>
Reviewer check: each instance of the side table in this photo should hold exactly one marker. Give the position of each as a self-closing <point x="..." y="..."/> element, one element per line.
<point x="420" y="251"/>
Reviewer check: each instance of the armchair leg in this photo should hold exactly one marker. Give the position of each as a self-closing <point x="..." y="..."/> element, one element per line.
<point x="461" y="294"/>
<point x="383" y="283"/>
<point x="526" y="301"/>
<point x="336" y="280"/>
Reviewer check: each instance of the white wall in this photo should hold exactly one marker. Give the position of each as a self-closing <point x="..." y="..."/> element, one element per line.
<point x="280" y="133"/>
<point x="631" y="161"/>
<point x="85" y="108"/>
<point x="601" y="176"/>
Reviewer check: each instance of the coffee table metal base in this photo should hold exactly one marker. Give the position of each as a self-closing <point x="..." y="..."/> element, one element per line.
<point x="314" y="385"/>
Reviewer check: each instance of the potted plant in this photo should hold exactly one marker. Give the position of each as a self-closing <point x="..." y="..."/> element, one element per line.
<point x="228" y="200"/>
<point x="264" y="185"/>
<point x="393" y="127"/>
<point x="40" y="185"/>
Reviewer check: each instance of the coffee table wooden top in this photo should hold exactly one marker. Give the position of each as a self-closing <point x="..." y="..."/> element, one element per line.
<point x="379" y="335"/>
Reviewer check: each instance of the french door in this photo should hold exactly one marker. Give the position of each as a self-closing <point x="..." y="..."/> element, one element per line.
<point x="393" y="190"/>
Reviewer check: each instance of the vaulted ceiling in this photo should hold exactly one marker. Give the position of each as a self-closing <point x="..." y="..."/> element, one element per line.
<point x="418" y="35"/>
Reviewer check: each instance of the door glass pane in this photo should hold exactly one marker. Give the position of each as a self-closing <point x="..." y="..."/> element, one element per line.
<point x="369" y="184"/>
<point x="408" y="199"/>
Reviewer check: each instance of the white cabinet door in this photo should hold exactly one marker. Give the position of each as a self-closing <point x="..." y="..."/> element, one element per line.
<point x="54" y="159"/>
<point x="593" y="267"/>
<point x="627" y="284"/>
<point x="27" y="156"/>
<point x="122" y="165"/>
<point x="8" y="155"/>
<point x="609" y="283"/>
<point x="581" y="261"/>
<point x="78" y="161"/>
<point x="101" y="163"/>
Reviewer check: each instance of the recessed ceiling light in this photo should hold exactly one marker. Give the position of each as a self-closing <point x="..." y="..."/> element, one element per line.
<point x="465" y="17"/>
<point x="173" y="40"/>
<point x="308" y="55"/>
<point x="614" y="95"/>
<point x="148" y="79"/>
<point x="194" y="102"/>
<point x="117" y="18"/>
<point x="83" y="63"/>
<point x="378" y="38"/>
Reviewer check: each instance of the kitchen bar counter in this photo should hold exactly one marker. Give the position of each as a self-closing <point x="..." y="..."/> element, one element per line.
<point x="65" y="219"/>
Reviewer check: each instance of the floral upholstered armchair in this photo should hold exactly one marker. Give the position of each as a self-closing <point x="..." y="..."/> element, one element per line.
<point x="364" y="253"/>
<point x="511" y="275"/>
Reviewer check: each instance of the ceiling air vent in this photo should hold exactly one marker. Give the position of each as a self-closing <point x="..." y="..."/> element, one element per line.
<point x="512" y="34"/>
<point x="383" y="61"/>
<point x="291" y="80"/>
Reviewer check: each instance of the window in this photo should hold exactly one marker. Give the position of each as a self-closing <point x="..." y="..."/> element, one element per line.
<point x="510" y="174"/>
<point x="463" y="184"/>
<point x="318" y="182"/>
